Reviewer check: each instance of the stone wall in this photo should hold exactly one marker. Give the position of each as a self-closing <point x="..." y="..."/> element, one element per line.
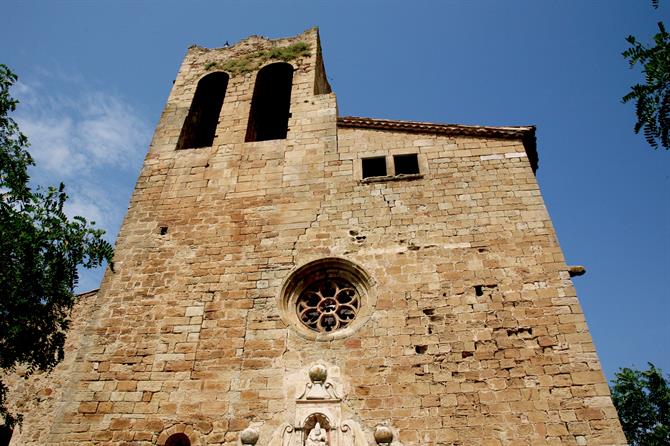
<point x="470" y="331"/>
<point x="37" y="397"/>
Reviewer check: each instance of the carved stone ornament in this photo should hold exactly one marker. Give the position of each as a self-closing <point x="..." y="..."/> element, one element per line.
<point x="383" y="435"/>
<point x="249" y="436"/>
<point x="318" y="418"/>
<point x="318" y="388"/>
<point x="317" y="436"/>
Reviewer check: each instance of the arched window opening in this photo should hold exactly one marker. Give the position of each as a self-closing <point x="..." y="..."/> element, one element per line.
<point x="5" y="435"/>
<point x="271" y="103"/>
<point x="178" y="440"/>
<point x="200" y="126"/>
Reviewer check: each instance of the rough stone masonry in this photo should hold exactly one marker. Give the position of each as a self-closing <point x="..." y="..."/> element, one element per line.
<point x="287" y="276"/>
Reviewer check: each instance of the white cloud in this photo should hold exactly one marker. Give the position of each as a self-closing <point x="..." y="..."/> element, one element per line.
<point x="91" y="202"/>
<point x="112" y="132"/>
<point x="53" y="143"/>
<point x="75" y="136"/>
<point x="92" y="140"/>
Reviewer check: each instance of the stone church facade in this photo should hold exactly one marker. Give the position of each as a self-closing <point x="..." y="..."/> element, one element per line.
<point x="286" y="276"/>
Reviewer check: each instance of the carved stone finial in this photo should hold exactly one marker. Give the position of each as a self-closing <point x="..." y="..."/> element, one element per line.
<point x="318" y="388"/>
<point x="318" y="373"/>
<point x="249" y="436"/>
<point x="383" y="435"/>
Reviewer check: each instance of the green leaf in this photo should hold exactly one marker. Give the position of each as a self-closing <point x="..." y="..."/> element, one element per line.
<point x="650" y="97"/>
<point x="642" y="399"/>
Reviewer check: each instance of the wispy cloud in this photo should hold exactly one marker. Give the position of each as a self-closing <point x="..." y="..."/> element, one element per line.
<point x="92" y="201"/>
<point x="91" y="139"/>
<point x="74" y="136"/>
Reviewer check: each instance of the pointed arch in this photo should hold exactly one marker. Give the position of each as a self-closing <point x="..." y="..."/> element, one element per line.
<point x="271" y="103"/>
<point x="199" y="128"/>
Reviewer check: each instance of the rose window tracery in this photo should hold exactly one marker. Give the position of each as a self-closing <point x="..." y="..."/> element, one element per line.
<point x="328" y="298"/>
<point x="328" y="305"/>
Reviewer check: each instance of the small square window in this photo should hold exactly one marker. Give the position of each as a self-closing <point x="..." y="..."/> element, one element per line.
<point x="406" y="164"/>
<point x="374" y="167"/>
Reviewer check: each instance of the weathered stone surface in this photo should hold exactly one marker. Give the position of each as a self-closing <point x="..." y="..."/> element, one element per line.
<point x="475" y="336"/>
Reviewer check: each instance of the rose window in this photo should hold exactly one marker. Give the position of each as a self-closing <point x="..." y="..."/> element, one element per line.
<point x="328" y="305"/>
<point x="325" y="299"/>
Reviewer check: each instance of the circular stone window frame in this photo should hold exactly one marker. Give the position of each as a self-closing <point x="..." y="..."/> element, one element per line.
<point x="326" y="268"/>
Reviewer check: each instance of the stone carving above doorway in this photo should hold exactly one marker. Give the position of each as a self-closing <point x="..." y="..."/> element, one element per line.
<point x="317" y="420"/>
<point x="317" y="436"/>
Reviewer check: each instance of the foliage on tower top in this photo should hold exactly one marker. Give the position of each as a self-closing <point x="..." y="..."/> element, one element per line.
<point x="252" y="62"/>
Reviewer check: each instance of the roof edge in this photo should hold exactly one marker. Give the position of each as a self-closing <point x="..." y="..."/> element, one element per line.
<point x="524" y="133"/>
<point x="87" y="293"/>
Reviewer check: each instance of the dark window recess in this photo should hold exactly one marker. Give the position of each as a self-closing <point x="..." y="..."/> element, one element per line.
<point x="271" y="103"/>
<point x="163" y="230"/>
<point x="421" y="349"/>
<point x="5" y="435"/>
<point x="479" y="289"/>
<point x="178" y="440"/>
<point x="406" y="164"/>
<point x="200" y="126"/>
<point x="374" y="167"/>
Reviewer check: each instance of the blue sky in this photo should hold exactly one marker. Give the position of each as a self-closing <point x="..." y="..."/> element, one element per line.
<point x="94" y="77"/>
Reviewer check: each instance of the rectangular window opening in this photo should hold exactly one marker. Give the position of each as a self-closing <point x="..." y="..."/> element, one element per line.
<point x="406" y="164"/>
<point x="374" y="167"/>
